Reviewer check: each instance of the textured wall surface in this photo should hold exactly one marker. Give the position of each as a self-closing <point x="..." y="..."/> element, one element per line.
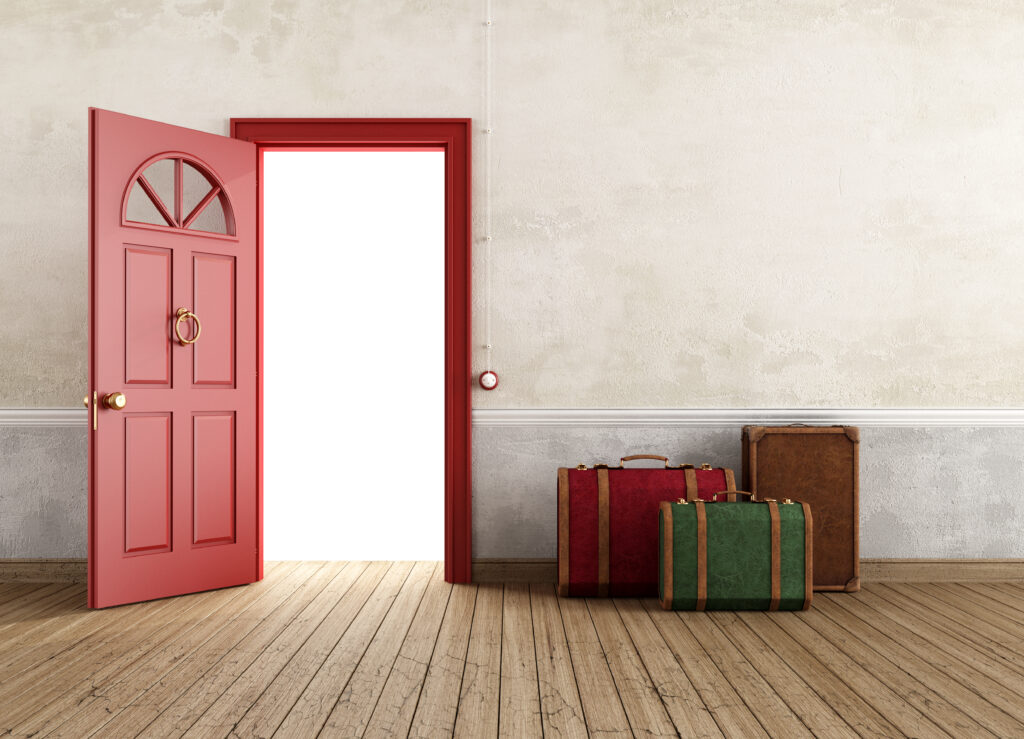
<point x="43" y="499"/>
<point x="924" y="492"/>
<point x="695" y="204"/>
<point x="707" y="203"/>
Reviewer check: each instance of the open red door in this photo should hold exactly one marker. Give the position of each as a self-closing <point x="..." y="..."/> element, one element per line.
<point x="173" y="455"/>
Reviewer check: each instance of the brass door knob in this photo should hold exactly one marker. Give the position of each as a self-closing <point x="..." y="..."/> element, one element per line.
<point x="85" y="401"/>
<point x="115" y="401"/>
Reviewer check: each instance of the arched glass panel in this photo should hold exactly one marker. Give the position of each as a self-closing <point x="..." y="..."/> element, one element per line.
<point x="181" y="194"/>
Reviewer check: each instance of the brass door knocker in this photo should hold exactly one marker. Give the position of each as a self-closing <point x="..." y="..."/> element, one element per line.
<point x="184" y="314"/>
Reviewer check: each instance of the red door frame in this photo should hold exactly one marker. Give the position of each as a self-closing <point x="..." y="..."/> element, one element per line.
<point x="455" y="136"/>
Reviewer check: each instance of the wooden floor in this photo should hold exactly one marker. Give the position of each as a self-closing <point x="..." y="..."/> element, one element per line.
<point x="390" y="649"/>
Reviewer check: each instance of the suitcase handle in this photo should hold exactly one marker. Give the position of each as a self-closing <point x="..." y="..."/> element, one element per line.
<point x="631" y="457"/>
<point x="750" y="496"/>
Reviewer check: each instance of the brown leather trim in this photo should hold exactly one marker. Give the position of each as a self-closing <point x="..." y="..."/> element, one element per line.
<point x="750" y="469"/>
<point x="773" y="512"/>
<point x="730" y="479"/>
<point x="702" y="557"/>
<point x="754" y="433"/>
<point x="563" y="531"/>
<point x="852" y="433"/>
<point x="691" y="484"/>
<point x="808" y="556"/>
<point x="667" y="562"/>
<point x="603" y="525"/>
<point x="855" y="580"/>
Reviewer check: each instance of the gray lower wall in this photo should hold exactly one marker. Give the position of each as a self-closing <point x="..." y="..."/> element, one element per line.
<point x="43" y="491"/>
<point x="925" y="492"/>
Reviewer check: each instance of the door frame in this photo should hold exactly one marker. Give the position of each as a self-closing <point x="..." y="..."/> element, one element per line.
<point x="455" y="136"/>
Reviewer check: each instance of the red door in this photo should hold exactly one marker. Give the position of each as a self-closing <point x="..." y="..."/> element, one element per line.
<point x="173" y="485"/>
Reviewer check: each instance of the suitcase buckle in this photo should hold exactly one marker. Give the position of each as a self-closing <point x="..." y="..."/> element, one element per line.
<point x="683" y="501"/>
<point x="705" y="466"/>
<point x="581" y="467"/>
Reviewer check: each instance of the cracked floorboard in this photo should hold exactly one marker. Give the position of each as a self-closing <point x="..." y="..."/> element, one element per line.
<point x="389" y="649"/>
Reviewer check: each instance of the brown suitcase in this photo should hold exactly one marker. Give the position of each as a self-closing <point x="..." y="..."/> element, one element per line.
<point x="817" y="465"/>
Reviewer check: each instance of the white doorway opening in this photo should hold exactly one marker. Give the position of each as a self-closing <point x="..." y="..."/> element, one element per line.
<point x="354" y="342"/>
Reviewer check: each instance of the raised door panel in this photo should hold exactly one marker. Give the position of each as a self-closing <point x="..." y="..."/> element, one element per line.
<point x="147" y="483"/>
<point x="147" y="306"/>
<point x="213" y="280"/>
<point x="213" y="478"/>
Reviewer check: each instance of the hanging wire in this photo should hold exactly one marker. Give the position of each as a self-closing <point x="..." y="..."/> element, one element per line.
<point x="488" y="136"/>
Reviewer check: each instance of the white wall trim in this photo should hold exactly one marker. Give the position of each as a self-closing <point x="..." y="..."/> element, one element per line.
<point x="482" y="417"/>
<point x="44" y="417"/>
<point x="743" y="416"/>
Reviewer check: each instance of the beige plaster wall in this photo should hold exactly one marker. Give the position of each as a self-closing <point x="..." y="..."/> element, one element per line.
<point x="705" y="203"/>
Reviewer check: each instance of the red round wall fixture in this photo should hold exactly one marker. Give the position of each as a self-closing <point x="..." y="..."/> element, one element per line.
<point x="488" y="380"/>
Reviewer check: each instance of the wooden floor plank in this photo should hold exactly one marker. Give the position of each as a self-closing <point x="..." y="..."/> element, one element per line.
<point x="42" y="614"/>
<point x="273" y="704"/>
<point x="355" y="705"/>
<point x="999" y="594"/>
<point x="644" y="708"/>
<point x="90" y="704"/>
<point x="221" y="716"/>
<point x="858" y="670"/>
<point x="944" y="638"/>
<point x="949" y="622"/>
<point x="969" y="620"/>
<point x="560" y="707"/>
<point x="815" y="713"/>
<point x="21" y="593"/>
<point x="519" y="702"/>
<point x="854" y="710"/>
<point x="685" y="708"/>
<point x="310" y="711"/>
<point x="393" y="714"/>
<point x="477" y="715"/>
<point x="954" y="706"/>
<point x="773" y="714"/>
<point x="439" y="699"/>
<point x="987" y="615"/>
<point x="990" y="702"/>
<point x="731" y="714"/>
<point x="184" y="683"/>
<point x="14" y="610"/>
<point x="390" y="649"/>
<point x="602" y="706"/>
<point x="978" y="599"/>
<point x="96" y="659"/>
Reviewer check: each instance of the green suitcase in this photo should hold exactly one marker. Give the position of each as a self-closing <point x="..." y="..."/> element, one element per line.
<point x="735" y="556"/>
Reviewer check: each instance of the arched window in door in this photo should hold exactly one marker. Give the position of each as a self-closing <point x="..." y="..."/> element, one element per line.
<point x="177" y="192"/>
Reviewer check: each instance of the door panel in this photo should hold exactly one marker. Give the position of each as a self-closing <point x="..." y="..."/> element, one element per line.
<point x="173" y="496"/>
<point x="213" y="489"/>
<point x="213" y="280"/>
<point x="147" y="304"/>
<point x="147" y="482"/>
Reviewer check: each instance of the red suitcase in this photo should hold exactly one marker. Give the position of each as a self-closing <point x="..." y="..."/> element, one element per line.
<point x="608" y="522"/>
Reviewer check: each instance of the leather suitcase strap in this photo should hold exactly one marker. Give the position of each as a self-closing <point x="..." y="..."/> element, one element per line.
<point x="603" y="526"/>
<point x="730" y="479"/>
<point x="702" y="556"/>
<point x="563" y="531"/>
<point x="808" y="556"/>
<point x="773" y="512"/>
<point x="667" y="563"/>
<point x="691" y="484"/>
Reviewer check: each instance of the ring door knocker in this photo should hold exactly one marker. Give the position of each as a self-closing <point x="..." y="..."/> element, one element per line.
<point x="184" y="314"/>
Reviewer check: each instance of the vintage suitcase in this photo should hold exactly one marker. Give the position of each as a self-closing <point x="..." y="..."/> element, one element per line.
<point x="753" y="556"/>
<point x="819" y="465"/>
<point x="607" y="522"/>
